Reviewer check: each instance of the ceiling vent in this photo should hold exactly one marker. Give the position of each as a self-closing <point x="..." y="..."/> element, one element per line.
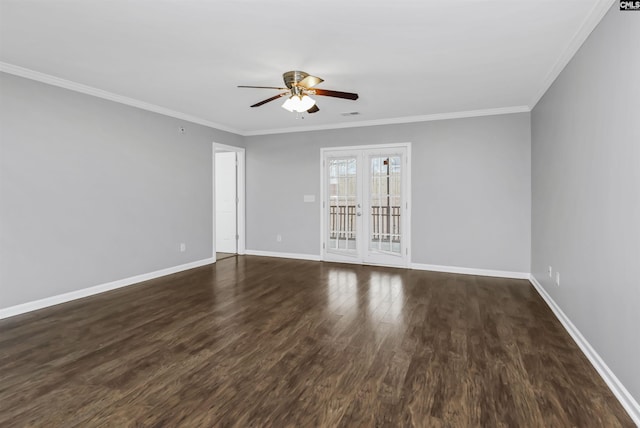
<point x="350" y="113"/>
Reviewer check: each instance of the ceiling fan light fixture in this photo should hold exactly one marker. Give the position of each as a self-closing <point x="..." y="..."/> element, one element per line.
<point x="299" y="85"/>
<point x="288" y="104"/>
<point x="306" y="102"/>
<point x="299" y="104"/>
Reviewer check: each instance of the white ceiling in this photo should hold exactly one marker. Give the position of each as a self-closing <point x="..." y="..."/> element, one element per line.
<point x="408" y="59"/>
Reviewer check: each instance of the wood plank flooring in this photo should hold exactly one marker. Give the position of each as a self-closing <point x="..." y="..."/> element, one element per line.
<point x="256" y="341"/>
<point x="222" y="256"/>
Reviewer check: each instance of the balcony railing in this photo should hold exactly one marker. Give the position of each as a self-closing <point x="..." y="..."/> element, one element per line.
<point x="385" y="222"/>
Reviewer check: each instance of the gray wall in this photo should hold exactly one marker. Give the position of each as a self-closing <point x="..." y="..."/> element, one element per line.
<point x="92" y="191"/>
<point x="470" y="179"/>
<point x="586" y="192"/>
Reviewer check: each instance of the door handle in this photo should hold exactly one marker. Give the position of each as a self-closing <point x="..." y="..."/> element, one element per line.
<point x="359" y="214"/>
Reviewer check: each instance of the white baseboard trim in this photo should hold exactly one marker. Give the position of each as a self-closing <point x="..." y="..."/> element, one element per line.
<point x="471" y="271"/>
<point x="417" y="266"/>
<point x="622" y="394"/>
<point x="85" y="292"/>
<point x="298" y="256"/>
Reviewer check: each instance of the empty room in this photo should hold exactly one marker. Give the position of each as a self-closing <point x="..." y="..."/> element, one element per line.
<point x="276" y="213"/>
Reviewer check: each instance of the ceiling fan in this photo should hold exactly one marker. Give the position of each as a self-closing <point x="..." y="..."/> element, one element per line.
<point x="299" y="87"/>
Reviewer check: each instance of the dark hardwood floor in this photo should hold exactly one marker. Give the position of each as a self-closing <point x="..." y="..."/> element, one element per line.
<point x="222" y="256"/>
<point x="255" y="341"/>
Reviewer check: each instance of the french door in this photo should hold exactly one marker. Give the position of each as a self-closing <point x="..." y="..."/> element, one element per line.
<point x="365" y="205"/>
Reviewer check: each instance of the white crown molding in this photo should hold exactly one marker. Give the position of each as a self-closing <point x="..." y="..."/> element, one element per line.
<point x="85" y="292"/>
<point x="395" y="120"/>
<point x="594" y="17"/>
<point x="622" y="394"/>
<point x="90" y="90"/>
<point x="297" y="256"/>
<point x="471" y="271"/>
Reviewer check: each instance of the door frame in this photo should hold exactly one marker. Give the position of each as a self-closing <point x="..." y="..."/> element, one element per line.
<point x="240" y="195"/>
<point x="407" y="191"/>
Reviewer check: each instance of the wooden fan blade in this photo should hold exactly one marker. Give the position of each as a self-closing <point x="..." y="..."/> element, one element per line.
<point x="337" y="94"/>
<point x="262" y="87"/>
<point x="313" y="109"/>
<point x="310" y="81"/>
<point x="268" y="100"/>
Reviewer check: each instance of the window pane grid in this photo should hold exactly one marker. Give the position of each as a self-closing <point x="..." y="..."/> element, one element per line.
<point x="342" y="204"/>
<point x="385" y="204"/>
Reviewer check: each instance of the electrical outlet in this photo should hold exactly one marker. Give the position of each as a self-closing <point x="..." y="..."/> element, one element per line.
<point x="550" y="272"/>
<point x="183" y="247"/>
<point x="279" y="237"/>
<point x="558" y="279"/>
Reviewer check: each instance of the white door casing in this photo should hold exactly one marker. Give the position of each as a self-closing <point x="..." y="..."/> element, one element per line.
<point x="240" y="246"/>
<point x="225" y="191"/>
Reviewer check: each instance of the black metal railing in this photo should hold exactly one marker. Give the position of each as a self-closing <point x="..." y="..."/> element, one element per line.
<point x="385" y="222"/>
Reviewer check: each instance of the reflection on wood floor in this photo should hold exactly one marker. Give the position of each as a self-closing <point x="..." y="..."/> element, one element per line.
<point x="257" y="341"/>
<point x="222" y="256"/>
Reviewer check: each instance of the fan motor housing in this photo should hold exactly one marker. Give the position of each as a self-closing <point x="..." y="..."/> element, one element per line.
<point x="293" y="77"/>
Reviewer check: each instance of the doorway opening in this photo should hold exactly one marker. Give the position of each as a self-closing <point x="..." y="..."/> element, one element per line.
<point x="228" y="201"/>
<point x="365" y="204"/>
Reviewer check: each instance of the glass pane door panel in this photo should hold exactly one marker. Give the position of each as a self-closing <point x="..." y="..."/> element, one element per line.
<point x="342" y="197"/>
<point x="385" y="200"/>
